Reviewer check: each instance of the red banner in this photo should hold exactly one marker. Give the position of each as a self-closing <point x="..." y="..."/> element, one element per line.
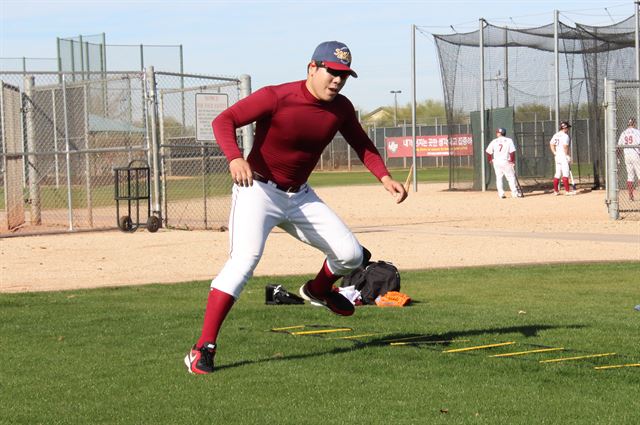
<point x="399" y="147"/>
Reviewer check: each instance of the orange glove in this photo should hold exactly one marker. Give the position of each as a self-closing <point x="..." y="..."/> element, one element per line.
<point x="393" y="299"/>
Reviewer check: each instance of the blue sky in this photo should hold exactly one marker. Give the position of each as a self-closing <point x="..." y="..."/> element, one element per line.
<point x="273" y="40"/>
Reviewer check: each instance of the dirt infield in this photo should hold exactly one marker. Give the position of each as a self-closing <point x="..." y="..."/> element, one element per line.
<point x="434" y="228"/>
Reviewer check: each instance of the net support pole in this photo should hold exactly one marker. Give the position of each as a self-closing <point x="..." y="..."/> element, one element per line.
<point x="610" y="143"/>
<point x="637" y="48"/>
<point x="247" y="130"/>
<point x="103" y="68"/>
<point x="637" y="40"/>
<point x="506" y="67"/>
<point x="155" y="142"/>
<point x="482" y="110"/>
<point x="413" y="107"/>
<point x="32" y="159"/>
<point x="556" y="55"/>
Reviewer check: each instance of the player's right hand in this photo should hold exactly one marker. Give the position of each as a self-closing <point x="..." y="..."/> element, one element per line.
<point x="395" y="188"/>
<point x="241" y="172"/>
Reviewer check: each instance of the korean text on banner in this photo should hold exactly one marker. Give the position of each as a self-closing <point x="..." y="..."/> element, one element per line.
<point x="399" y="147"/>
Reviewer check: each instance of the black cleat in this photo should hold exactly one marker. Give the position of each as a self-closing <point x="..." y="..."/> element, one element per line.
<point x="200" y="360"/>
<point x="333" y="300"/>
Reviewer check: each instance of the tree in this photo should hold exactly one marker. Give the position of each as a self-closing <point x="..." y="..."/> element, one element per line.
<point x="428" y="112"/>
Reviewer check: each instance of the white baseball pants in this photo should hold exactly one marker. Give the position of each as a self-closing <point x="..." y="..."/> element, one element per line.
<point x="257" y="209"/>
<point x="562" y="168"/>
<point x="505" y="169"/>
<point x="633" y="169"/>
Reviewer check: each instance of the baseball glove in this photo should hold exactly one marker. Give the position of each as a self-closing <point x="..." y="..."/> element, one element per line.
<point x="393" y="299"/>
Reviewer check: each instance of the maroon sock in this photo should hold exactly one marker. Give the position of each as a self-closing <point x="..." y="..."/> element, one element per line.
<point x="218" y="305"/>
<point x="324" y="281"/>
<point x="565" y="183"/>
<point x="555" y="185"/>
<point x="630" y="188"/>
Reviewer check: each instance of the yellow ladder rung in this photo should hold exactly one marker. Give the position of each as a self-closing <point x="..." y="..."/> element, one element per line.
<point x="564" y="359"/>
<point x="616" y="366"/>
<point x="521" y="353"/>
<point x="353" y="336"/>
<point x="479" y="347"/>
<point x="323" y="331"/>
<point x="443" y="341"/>
<point x="287" y="328"/>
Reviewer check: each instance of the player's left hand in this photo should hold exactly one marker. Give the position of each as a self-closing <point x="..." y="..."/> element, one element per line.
<point x="395" y="188"/>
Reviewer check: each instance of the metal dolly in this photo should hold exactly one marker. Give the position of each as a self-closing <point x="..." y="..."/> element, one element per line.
<point x="133" y="184"/>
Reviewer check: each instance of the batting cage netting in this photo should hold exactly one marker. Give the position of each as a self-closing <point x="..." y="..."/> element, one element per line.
<point x="520" y="92"/>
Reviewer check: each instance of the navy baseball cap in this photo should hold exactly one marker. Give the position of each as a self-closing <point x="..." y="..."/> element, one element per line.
<point x="564" y="124"/>
<point x="334" y="55"/>
<point x="502" y="131"/>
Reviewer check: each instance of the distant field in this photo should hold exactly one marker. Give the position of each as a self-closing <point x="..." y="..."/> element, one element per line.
<point x="215" y="185"/>
<point x="115" y="355"/>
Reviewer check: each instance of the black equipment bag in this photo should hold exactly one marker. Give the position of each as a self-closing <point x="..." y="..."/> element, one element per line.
<point x="373" y="280"/>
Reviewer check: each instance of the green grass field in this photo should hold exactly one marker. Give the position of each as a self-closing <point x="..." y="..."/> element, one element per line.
<point x="114" y="356"/>
<point x="216" y="185"/>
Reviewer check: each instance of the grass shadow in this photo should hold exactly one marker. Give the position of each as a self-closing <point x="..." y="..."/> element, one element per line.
<point x="526" y="331"/>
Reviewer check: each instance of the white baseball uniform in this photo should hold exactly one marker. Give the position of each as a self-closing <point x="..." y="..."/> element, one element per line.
<point x="501" y="149"/>
<point x="560" y="140"/>
<point x="630" y="140"/>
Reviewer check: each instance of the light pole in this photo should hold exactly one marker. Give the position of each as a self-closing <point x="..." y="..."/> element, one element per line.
<point x="395" y="103"/>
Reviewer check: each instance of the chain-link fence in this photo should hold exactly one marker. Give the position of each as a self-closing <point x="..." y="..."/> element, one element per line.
<point x="63" y="134"/>
<point x="622" y="106"/>
<point x="196" y="182"/>
<point x="66" y="137"/>
<point x="338" y="155"/>
<point x="534" y="159"/>
<point x="25" y="64"/>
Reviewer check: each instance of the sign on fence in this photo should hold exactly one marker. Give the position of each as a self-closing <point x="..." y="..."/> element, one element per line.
<point x="208" y="106"/>
<point x="399" y="147"/>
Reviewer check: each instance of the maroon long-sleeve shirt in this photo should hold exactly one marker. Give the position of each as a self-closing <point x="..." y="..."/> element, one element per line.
<point x="292" y="130"/>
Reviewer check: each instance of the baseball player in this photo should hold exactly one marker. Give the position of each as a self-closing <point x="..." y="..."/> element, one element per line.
<point x="630" y="139"/>
<point x="501" y="152"/>
<point x="294" y="123"/>
<point x="560" y="146"/>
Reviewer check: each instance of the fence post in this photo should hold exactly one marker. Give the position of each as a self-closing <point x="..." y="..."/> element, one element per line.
<point x="404" y="159"/>
<point x="67" y="148"/>
<point x="32" y="162"/>
<point x="588" y="142"/>
<point x="155" y="158"/>
<point x="55" y="137"/>
<point x="165" y="167"/>
<point x="87" y="156"/>
<point x="610" y="143"/>
<point x="247" y="130"/>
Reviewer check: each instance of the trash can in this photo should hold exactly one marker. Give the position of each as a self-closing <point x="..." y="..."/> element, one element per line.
<point x="133" y="185"/>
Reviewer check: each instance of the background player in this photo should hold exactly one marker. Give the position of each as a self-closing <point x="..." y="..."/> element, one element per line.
<point x="294" y="123"/>
<point x="501" y="152"/>
<point x="630" y="139"/>
<point x="560" y="145"/>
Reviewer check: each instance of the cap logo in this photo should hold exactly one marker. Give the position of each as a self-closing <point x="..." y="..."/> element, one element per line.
<point x="343" y="54"/>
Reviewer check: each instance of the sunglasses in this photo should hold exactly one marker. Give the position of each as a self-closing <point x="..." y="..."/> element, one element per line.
<point x="334" y="72"/>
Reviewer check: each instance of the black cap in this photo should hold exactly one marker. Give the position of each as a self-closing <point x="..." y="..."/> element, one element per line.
<point x="564" y="124"/>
